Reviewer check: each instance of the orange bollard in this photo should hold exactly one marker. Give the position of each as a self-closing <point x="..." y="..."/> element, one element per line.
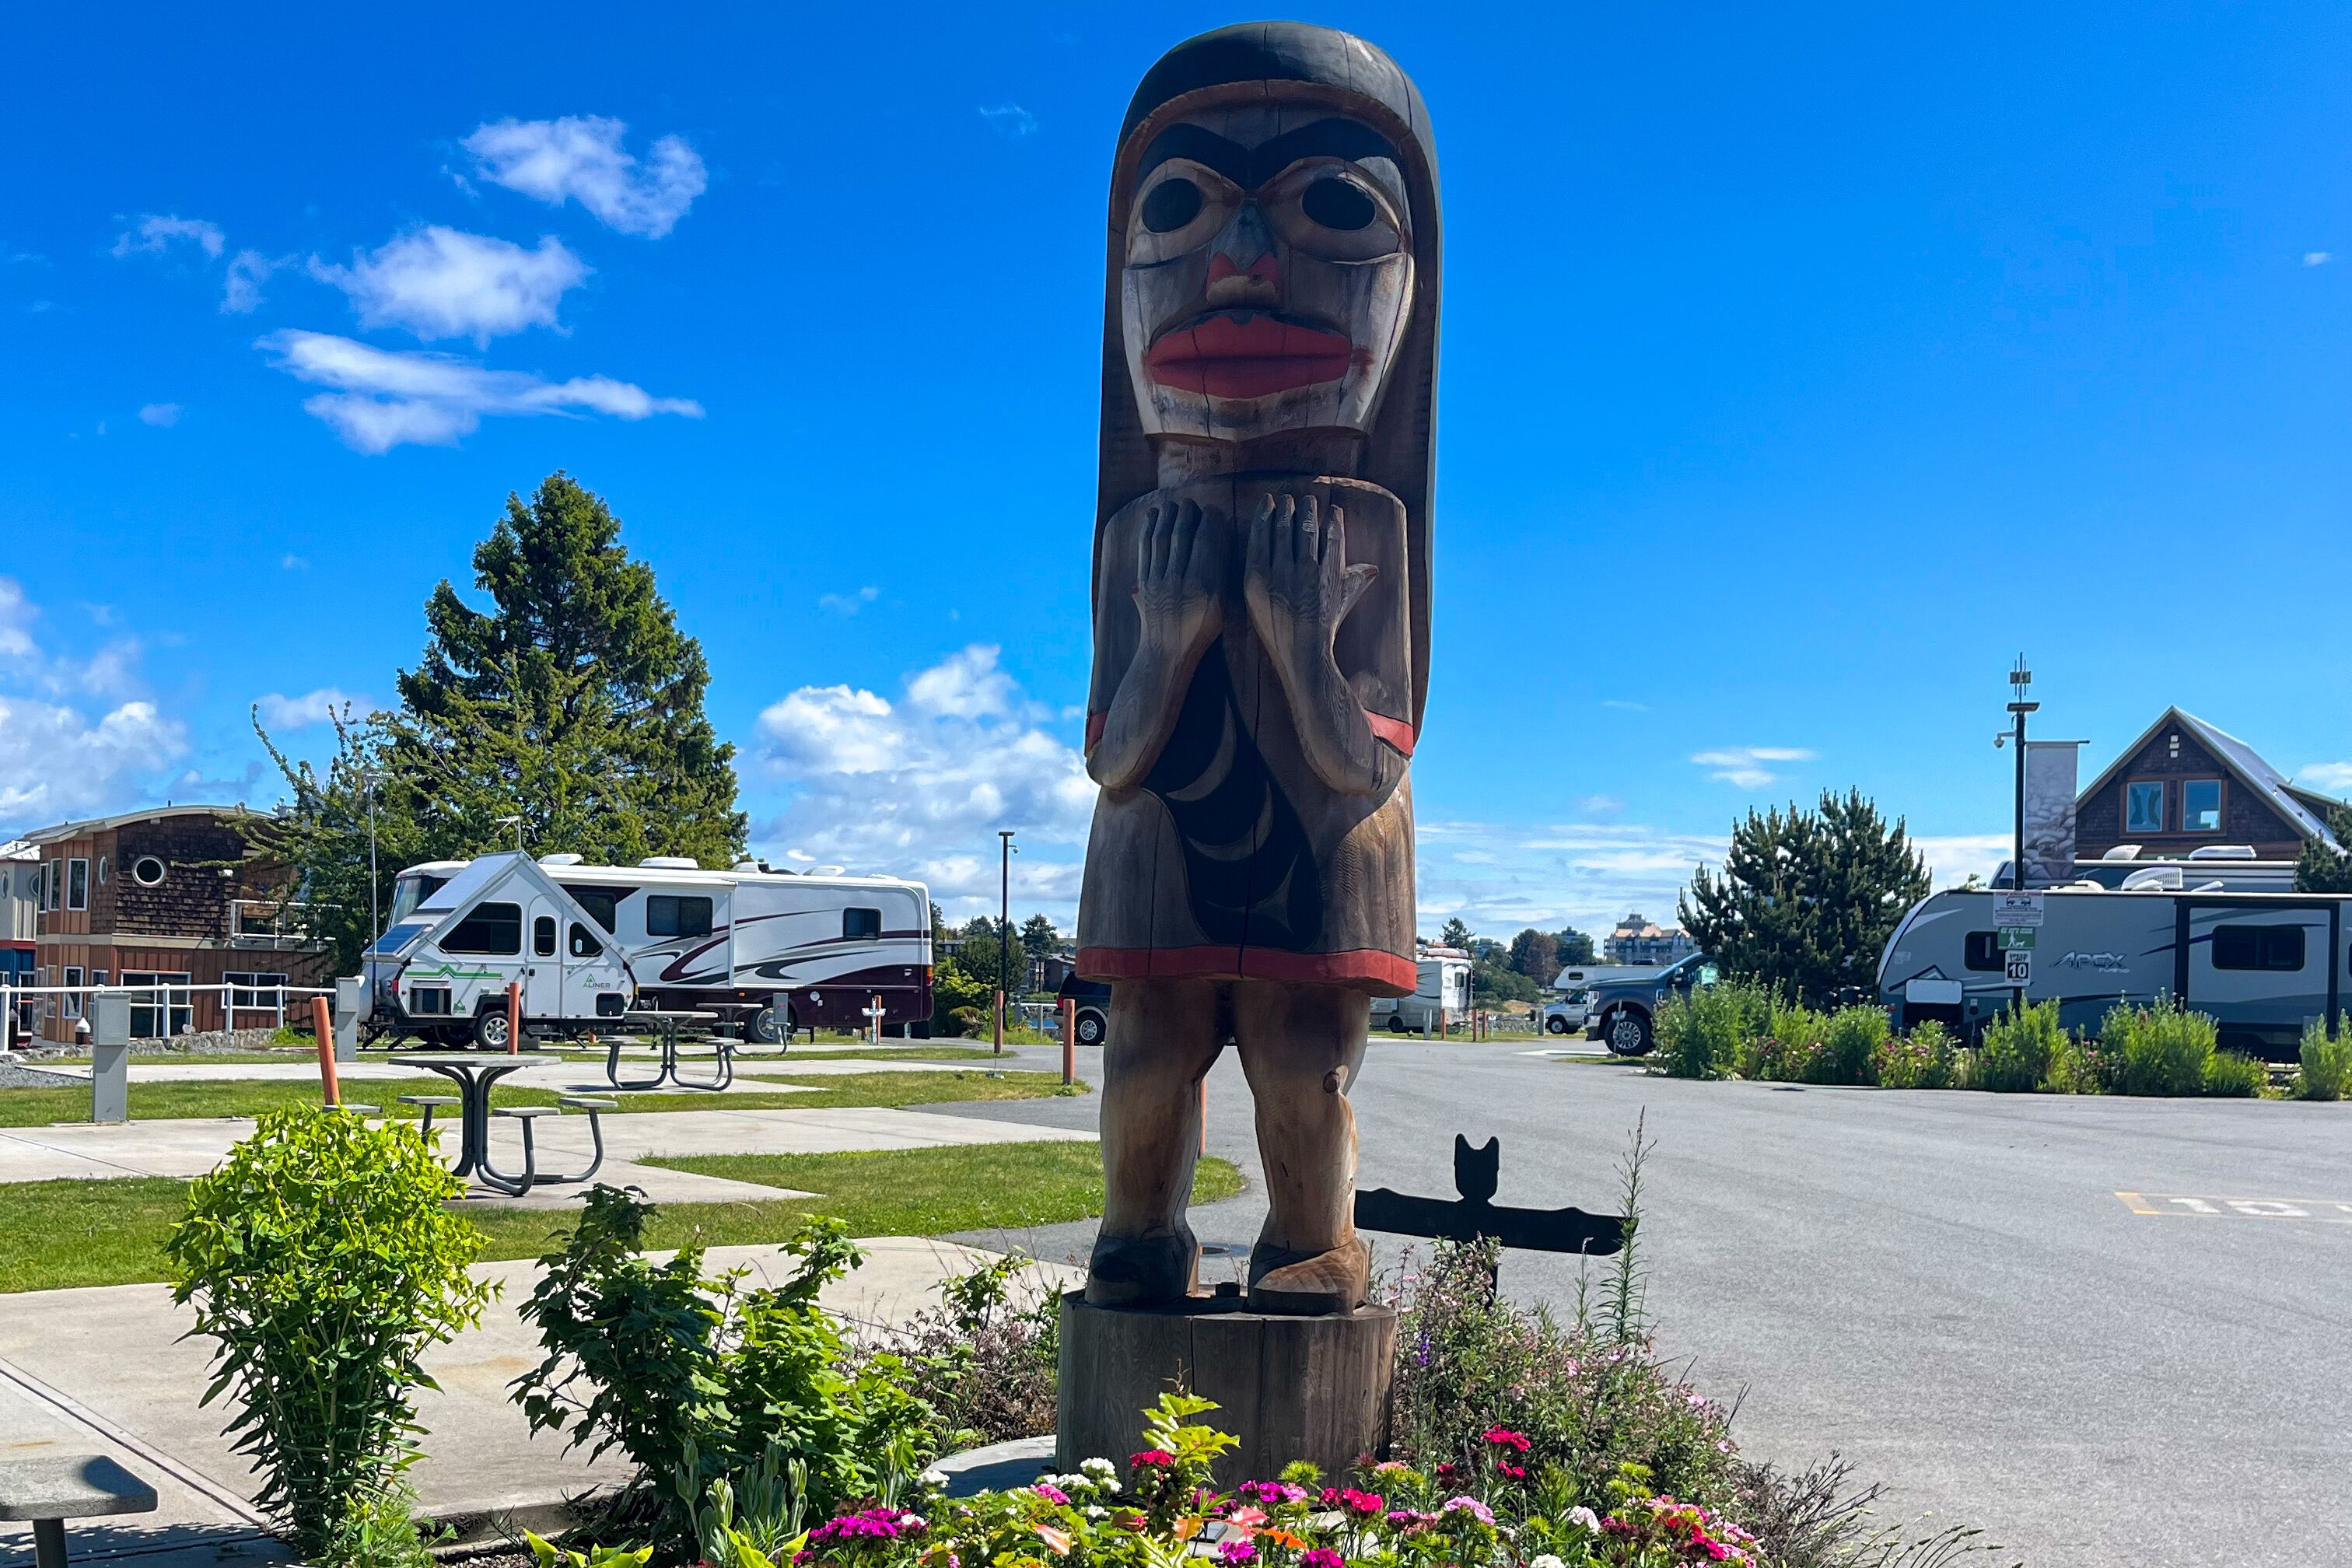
<point x="514" y="1017"/>
<point x="322" y="1023"/>
<point x="1069" y="1040"/>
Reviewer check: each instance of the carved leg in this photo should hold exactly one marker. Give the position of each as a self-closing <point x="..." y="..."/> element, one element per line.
<point x="1301" y="1047"/>
<point x="1163" y="1037"/>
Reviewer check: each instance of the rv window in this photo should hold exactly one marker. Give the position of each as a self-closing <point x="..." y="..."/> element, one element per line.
<point x="2144" y="806"/>
<point x="603" y="904"/>
<point x="670" y="915"/>
<point x="861" y="925"/>
<point x="492" y="928"/>
<point x="542" y="936"/>
<point x="584" y="942"/>
<point x="2200" y="806"/>
<point x="2258" y="947"/>
<point x="1980" y="953"/>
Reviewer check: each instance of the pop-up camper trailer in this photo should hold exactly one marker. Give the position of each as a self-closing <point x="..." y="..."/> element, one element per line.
<point x="441" y="971"/>
<point x="768" y="950"/>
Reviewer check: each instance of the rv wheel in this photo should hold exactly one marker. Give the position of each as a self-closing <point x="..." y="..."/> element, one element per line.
<point x="1396" y="1024"/>
<point x="490" y="1030"/>
<point x="760" y="1024"/>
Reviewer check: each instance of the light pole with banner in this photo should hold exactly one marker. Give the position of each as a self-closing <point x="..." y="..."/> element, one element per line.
<point x="2019" y="969"/>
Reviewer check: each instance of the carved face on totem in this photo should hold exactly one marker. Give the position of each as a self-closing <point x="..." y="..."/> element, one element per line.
<point x="1268" y="276"/>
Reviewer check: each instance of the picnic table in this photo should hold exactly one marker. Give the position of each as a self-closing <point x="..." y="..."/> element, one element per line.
<point x="665" y="1031"/>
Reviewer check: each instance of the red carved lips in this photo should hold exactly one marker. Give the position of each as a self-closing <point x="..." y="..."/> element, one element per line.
<point x="1246" y="355"/>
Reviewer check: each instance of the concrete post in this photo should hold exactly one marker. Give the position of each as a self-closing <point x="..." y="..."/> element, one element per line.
<point x="109" y="1056"/>
<point x="350" y="1006"/>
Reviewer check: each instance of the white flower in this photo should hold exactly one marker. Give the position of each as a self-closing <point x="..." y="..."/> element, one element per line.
<point x="933" y="1479"/>
<point x="1096" y="1510"/>
<point x="1586" y="1517"/>
<point x="1547" y="1561"/>
<point x="1101" y="1469"/>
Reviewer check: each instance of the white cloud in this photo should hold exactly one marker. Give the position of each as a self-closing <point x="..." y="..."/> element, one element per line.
<point x="919" y="788"/>
<point x="292" y="562"/>
<point x="1620" y="702"/>
<point x="384" y="399"/>
<point x="2317" y="257"/>
<point x="58" y="757"/>
<point x="156" y="232"/>
<point x="1500" y="877"/>
<point x="579" y="157"/>
<point x="1742" y="765"/>
<point x="2331" y="778"/>
<point x="444" y="283"/>
<point x="1953" y="859"/>
<point x="1010" y="121"/>
<point x="279" y="711"/>
<point x="848" y="604"/>
<point x="164" y="414"/>
<point x="247" y="271"/>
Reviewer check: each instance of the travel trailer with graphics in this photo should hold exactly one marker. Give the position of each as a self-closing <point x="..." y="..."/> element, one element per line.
<point x="769" y="950"/>
<point x="2262" y="964"/>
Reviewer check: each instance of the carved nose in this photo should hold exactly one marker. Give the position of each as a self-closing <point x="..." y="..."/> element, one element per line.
<point x="1243" y="269"/>
<point x="1265" y="267"/>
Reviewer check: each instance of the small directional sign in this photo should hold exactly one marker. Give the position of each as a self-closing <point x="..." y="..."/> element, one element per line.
<point x="2017" y="908"/>
<point x="2012" y="937"/>
<point x="2017" y="966"/>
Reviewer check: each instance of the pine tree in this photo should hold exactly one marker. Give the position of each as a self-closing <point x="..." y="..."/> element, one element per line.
<point x="2320" y="870"/>
<point x="1806" y="901"/>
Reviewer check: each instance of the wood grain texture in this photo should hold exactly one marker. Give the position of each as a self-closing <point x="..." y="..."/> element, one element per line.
<point x="1314" y="1388"/>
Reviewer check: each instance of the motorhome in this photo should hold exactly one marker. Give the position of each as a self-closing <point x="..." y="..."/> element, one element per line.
<point x="2262" y="964"/>
<point x="440" y="972"/>
<point x="769" y="951"/>
<point x="1442" y="992"/>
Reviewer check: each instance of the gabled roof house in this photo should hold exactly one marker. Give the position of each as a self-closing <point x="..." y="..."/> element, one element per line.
<point x="2184" y="784"/>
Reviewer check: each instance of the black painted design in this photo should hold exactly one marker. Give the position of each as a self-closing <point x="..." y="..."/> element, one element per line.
<point x="1476" y="1214"/>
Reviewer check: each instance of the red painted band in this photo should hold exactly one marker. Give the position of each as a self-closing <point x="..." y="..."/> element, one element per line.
<point x="1359" y="966"/>
<point x="1396" y="731"/>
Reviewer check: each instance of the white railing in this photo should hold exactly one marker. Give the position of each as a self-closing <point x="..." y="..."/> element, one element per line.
<point x="159" y="1007"/>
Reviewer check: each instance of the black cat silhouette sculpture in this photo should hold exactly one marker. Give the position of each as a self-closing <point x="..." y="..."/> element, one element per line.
<point x="1476" y="1173"/>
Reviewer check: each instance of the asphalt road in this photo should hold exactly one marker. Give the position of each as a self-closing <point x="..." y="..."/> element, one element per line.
<point x="2110" y="1331"/>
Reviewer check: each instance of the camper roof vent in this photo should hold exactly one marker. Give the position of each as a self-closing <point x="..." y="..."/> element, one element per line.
<point x="2122" y="852"/>
<point x="2215" y="886"/>
<point x="670" y="863"/>
<point x="2223" y="852"/>
<point x="558" y="859"/>
<point x="747" y="866"/>
<point x="2167" y="877"/>
<point x="830" y="871"/>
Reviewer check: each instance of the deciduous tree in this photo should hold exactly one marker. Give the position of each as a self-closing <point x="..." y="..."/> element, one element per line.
<point x="1536" y="955"/>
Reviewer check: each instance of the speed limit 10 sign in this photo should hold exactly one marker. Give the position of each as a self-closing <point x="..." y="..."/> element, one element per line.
<point x="2017" y="965"/>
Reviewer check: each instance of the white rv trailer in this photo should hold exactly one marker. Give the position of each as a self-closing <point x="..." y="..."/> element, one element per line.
<point x="442" y="969"/>
<point x="2262" y="964"/>
<point x="1442" y="988"/>
<point x="769" y="950"/>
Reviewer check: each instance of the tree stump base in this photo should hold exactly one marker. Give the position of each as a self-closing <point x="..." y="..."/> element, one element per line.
<point x="1313" y="1388"/>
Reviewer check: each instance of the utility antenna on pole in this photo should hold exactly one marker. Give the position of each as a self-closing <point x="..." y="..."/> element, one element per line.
<point x="2020" y="682"/>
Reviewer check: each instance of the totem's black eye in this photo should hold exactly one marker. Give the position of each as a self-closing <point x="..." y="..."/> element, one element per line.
<point x="1173" y="202"/>
<point x="1336" y="203"/>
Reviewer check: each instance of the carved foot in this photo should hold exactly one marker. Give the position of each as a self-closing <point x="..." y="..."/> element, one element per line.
<point x="1303" y="1284"/>
<point x="1141" y="1270"/>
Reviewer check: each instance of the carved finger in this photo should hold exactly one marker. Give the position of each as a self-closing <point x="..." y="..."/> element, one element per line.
<point x="1353" y="585"/>
<point x="1310" y="532"/>
<point x="1160" y="538"/>
<point x="1187" y="534"/>
<point x="1261" y="536"/>
<point x="1286" y="532"/>
<point x="1143" y="545"/>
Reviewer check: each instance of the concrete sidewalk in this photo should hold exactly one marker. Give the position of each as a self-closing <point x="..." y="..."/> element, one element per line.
<point x="575" y="1074"/>
<point x="105" y="1371"/>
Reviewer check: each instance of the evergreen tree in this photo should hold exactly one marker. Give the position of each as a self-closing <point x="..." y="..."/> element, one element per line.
<point x="1038" y="935"/>
<point x="2318" y="868"/>
<point x="1806" y="901"/>
<point x="1455" y="934"/>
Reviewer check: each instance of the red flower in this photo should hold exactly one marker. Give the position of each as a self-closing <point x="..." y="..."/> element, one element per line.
<point x="1510" y="1471"/>
<point x="1160" y="1457"/>
<point x="1354" y="1501"/>
<point x="1504" y="1437"/>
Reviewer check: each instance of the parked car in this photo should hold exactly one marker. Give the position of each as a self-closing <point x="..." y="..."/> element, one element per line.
<point x="1568" y="1014"/>
<point x="1092" y="1023"/>
<point x="1622" y="1012"/>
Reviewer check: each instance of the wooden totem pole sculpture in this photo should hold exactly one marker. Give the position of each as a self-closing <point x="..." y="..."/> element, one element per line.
<point x="1261" y="603"/>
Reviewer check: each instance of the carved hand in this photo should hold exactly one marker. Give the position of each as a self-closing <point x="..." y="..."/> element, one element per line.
<point x="1297" y="582"/>
<point x="1179" y="561"/>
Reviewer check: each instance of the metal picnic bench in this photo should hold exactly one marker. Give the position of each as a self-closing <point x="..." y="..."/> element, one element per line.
<point x="50" y="1490"/>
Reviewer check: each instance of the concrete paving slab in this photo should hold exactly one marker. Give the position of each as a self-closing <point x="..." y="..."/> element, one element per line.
<point x="67" y="1386"/>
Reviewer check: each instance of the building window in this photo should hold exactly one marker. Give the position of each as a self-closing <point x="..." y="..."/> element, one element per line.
<point x="2200" y="806"/>
<point x="73" y="997"/>
<point x="2258" y="947"/>
<point x="1979" y="952"/>
<point x="493" y="930"/>
<point x="542" y="936"/>
<point x="861" y="925"/>
<point x="147" y="871"/>
<point x="255" y="993"/>
<point x="2144" y="806"/>
<point x="77" y="883"/>
<point x="56" y="883"/>
<point x="101" y="870"/>
<point x="668" y="915"/>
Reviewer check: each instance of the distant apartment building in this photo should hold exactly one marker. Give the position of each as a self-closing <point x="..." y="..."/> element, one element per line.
<point x="168" y="901"/>
<point x="1637" y="939"/>
<point x="20" y="907"/>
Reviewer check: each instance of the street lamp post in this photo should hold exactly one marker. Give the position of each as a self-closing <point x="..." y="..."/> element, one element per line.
<point x="375" y="922"/>
<point x="1003" y="934"/>
<point x="2021" y="680"/>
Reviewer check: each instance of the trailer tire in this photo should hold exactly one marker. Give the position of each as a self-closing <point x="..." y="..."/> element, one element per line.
<point x="761" y="1027"/>
<point x="490" y="1030"/>
<point x="1396" y="1024"/>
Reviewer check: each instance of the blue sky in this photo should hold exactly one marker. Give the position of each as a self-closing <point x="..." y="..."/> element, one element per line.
<point x="1799" y="368"/>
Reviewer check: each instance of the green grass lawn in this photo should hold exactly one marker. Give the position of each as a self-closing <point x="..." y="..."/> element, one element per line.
<point x="250" y="1097"/>
<point x="60" y="1234"/>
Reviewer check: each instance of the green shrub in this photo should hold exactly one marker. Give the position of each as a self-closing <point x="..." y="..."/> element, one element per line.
<point x="2015" y="1054"/>
<point x="1702" y="1035"/>
<point x="1783" y="1050"/>
<point x="1849" y="1044"/>
<point x="2236" y="1076"/>
<point x="321" y="1257"/>
<point x="1923" y="1059"/>
<point x="2326" y="1062"/>
<point x="697" y="1378"/>
<point x="987" y="1364"/>
<point x="2163" y="1049"/>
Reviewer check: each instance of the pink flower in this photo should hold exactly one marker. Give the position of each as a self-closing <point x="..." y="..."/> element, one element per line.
<point x="1152" y="1457"/>
<point x="1322" y="1557"/>
<point x="1272" y="1494"/>
<point x="1504" y="1437"/>
<point x="1051" y="1493"/>
<point x="1470" y="1506"/>
<point x="1510" y="1471"/>
<point x="1234" y="1553"/>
